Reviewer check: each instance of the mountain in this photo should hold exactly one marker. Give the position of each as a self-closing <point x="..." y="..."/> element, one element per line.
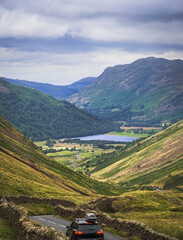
<point x="148" y="90"/>
<point x="26" y="170"/>
<point x="40" y="116"/>
<point x="157" y="160"/>
<point x="56" y="91"/>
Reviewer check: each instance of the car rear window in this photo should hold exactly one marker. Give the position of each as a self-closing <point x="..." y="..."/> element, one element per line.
<point x="89" y="227"/>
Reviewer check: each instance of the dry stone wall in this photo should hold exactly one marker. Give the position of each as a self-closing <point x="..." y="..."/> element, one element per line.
<point x="25" y="228"/>
<point x="134" y="228"/>
<point x="51" y="201"/>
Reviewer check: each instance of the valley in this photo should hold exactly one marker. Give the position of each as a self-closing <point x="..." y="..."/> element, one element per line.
<point x="76" y="155"/>
<point x="91" y="120"/>
<point x="80" y="153"/>
<point x="130" y="167"/>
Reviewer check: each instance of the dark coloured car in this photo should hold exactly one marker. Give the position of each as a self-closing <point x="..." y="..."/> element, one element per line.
<point x="85" y="229"/>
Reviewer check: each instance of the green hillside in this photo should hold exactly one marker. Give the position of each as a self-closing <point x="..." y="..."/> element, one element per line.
<point x="158" y="160"/>
<point x="146" y="91"/>
<point x="26" y="170"/>
<point x="39" y="116"/>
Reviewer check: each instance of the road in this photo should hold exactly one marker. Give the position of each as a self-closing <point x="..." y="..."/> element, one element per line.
<point x="61" y="224"/>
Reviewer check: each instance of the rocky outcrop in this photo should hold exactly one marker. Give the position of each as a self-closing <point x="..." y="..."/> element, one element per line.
<point x="26" y="229"/>
<point x="134" y="228"/>
<point x="104" y="204"/>
<point x="108" y="204"/>
<point x="51" y="201"/>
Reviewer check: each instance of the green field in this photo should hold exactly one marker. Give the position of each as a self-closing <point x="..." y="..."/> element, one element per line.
<point x="75" y="156"/>
<point x="38" y="209"/>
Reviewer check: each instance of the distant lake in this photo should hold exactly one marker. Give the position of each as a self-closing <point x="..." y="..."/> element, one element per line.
<point x="106" y="137"/>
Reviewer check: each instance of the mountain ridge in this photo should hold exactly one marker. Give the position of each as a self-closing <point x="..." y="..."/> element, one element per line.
<point x="147" y="90"/>
<point x="56" y="91"/>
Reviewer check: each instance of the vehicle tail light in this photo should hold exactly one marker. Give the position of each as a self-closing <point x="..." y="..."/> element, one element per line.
<point x="78" y="233"/>
<point x="100" y="232"/>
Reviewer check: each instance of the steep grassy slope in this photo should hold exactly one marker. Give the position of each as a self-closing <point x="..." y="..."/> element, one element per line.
<point x="39" y="116"/>
<point x="56" y="91"/>
<point x="148" y="90"/>
<point x="26" y="170"/>
<point x="161" y="211"/>
<point x="156" y="160"/>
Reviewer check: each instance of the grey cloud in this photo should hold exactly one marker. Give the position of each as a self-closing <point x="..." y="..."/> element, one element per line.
<point x="97" y="32"/>
<point x="68" y="44"/>
<point x="164" y="9"/>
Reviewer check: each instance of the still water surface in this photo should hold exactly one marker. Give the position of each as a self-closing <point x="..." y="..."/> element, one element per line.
<point x="107" y="137"/>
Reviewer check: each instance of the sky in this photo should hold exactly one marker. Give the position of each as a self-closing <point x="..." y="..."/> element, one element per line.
<point x="62" y="41"/>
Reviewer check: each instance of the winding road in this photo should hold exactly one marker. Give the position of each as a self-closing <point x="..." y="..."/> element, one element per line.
<point x="61" y="224"/>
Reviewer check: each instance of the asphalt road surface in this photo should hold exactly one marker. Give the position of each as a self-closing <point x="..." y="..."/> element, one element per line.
<point x="61" y="224"/>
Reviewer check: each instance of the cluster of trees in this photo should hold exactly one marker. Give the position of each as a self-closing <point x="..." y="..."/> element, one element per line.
<point x="96" y="143"/>
<point x="52" y="150"/>
<point x="50" y="142"/>
<point x="119" y="113"/>
<point x="138" y="131"/>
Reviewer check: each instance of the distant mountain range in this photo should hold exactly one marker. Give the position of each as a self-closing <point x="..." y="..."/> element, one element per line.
<point x="144" y="92"/>
<point x="56" y="91"/>
<point x="40" y="116"/>
<point x="148" y="90"/>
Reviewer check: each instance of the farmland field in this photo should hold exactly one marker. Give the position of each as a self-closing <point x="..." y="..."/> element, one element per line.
<point x="73" y="155"/>
<point x="82" y="156"/>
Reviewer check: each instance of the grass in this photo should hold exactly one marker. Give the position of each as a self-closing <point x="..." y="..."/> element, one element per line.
<point x="163" y="222"/>
<point x="63" y="157"/>
<point x="124" y="235"/>
<point x="161" y="211"/>
<point x="7" y="232"/>
<point x="30" y="182"/>
<point x="38" y="209"/>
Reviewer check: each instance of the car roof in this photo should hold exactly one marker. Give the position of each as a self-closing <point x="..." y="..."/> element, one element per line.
<point x="84" y="221"/>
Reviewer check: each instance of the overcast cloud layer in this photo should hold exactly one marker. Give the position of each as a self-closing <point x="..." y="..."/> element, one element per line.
<point x="61" y="41"/>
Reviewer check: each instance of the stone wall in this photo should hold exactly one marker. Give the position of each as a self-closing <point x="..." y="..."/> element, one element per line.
<point x="51" y="201"/>
<point x="134" y="228"/>
<point x="26" y="229"/>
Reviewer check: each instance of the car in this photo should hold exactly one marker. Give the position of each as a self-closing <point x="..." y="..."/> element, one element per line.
<point x="85" y="229"/>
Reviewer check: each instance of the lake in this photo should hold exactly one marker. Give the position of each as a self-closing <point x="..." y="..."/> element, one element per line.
<point x="107" y="137"/>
